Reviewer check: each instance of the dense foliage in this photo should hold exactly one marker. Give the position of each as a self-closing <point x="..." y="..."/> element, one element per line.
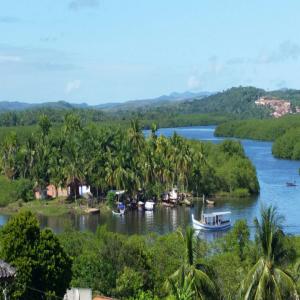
<point x="284" y="131"/>
<point x="288" y="145"/>
<point x="143" y="267"/>
<point x="122" y="158"/>
<point x="43" y="267"/>
<point x="230" y="104"/>
<point x="178" y="266"/>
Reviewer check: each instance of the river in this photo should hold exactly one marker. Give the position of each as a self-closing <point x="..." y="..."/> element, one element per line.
<point x="272" y="175"/>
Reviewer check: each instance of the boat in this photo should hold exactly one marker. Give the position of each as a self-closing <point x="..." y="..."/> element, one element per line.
<point x="168" y="204"/>
<point x="291" y="183"/>
<point x="173" y="195"/>
<point x="92" y="210"/>
<point x="149" y="205"/>
<point x="121" y="210"/>
<point x="117" y="213"/>
<point x="210" y="202"/>
<point x="140" y="205"/>
<point x="213" y="221"/>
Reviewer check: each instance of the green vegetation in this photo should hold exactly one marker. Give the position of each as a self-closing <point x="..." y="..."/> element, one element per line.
<point x="173" y="266"/>
<point x="267" y="279"/>
<point x="285" y="132"/>
<point x="288" y="145"/>
<point x="42" y="264"/>
<point x="109" y="158"/>
<point x="11" y="191"/>
<point x="234" y="103"/>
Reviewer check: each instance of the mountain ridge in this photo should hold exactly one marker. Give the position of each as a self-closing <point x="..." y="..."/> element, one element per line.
<point x="6" y="106"/>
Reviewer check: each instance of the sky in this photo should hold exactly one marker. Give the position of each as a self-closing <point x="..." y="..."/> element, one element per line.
<point x="98" y="51"/>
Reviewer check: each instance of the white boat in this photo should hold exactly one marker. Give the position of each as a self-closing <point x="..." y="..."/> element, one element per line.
<point x="149" y="205"/>
<point x="213" y="221"/>
<point x="174" y="195"/>
<point x="121" y="213"/>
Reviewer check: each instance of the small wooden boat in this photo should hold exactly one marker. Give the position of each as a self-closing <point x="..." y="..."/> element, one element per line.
<point x="291" y="183"/>
<point x="213" y="221"/>
<point x="121" y="210"/>
<point x="149" y="205"/>
<point x="92" y="210"/>
<point x="210" y="202"/>
<point x="121" y="213"/>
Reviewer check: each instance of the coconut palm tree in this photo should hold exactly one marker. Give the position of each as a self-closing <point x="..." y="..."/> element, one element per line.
<point x="194" y="274"/>
<point x="183" y="289"/>
<point x="267" y="279"/>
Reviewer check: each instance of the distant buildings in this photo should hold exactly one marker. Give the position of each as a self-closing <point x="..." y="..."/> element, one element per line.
<point x="280" y="107"/>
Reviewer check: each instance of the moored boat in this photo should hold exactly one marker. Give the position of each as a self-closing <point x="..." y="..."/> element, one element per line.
<point x="210" y="202"/>
<point x="168" y="204"/>
<point x="121" y="210"/>
<point x="149" y="205"/>
<point x="173" y="195"/>
<point x="291" y="183"/>
<point x="213" y="221"/>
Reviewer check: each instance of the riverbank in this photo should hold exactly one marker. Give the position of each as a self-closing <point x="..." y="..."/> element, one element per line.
<point x="284" y="132"/>
<point x="49" y="208"/>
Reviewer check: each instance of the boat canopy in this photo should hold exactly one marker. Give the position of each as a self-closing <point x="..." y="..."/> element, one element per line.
<point x="214" y="214"/>
<point x="120" y="192"/>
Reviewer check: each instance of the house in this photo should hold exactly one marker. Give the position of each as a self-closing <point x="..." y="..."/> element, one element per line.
<point x="78" y="294"/>
<point x="52" y="192"/>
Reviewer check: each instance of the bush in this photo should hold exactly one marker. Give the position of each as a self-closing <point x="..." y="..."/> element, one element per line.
<point x="23" y="189"/>
<point x="7" y="193"/>
<point x="110" y="199"/>
<point x="241" y="193"/>
<point x="12" y="191"/>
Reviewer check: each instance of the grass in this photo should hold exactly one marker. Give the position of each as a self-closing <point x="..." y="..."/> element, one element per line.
<point x="55" y="207"/>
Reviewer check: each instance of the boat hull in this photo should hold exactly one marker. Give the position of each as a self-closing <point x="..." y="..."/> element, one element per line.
<point x="201" y="226"/>
<point x="149" y="205"/>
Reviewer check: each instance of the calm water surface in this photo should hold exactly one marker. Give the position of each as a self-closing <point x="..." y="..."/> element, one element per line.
<point x="272" y="175"/>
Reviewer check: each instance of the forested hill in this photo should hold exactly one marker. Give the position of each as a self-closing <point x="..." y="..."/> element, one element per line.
<point x="239" y="101"/>
<point x="173" y="110"/>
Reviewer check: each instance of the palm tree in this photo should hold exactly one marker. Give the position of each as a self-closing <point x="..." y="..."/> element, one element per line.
<point x="183" y="289"/>
<point x="266" y="279"/>
<point x="192" y="271"/>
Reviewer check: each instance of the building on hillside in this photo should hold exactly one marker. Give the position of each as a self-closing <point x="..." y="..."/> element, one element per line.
<point x="280" y="107"/>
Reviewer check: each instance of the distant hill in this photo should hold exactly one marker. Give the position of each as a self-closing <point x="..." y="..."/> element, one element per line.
<point x="236" y="100"/>
<point x="163" y="100"/>
<point x="6" y="106"/>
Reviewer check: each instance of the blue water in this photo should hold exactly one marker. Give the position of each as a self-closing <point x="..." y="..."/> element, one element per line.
<point x="272" y="175"/>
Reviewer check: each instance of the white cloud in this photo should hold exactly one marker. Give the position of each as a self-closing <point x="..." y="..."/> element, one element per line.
<point x="72" y="86"/>
<point x="193" y="83"/>
<point x="10" y="58"/>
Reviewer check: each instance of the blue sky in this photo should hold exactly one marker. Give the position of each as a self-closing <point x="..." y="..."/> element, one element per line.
<point x="99" y="51"/>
